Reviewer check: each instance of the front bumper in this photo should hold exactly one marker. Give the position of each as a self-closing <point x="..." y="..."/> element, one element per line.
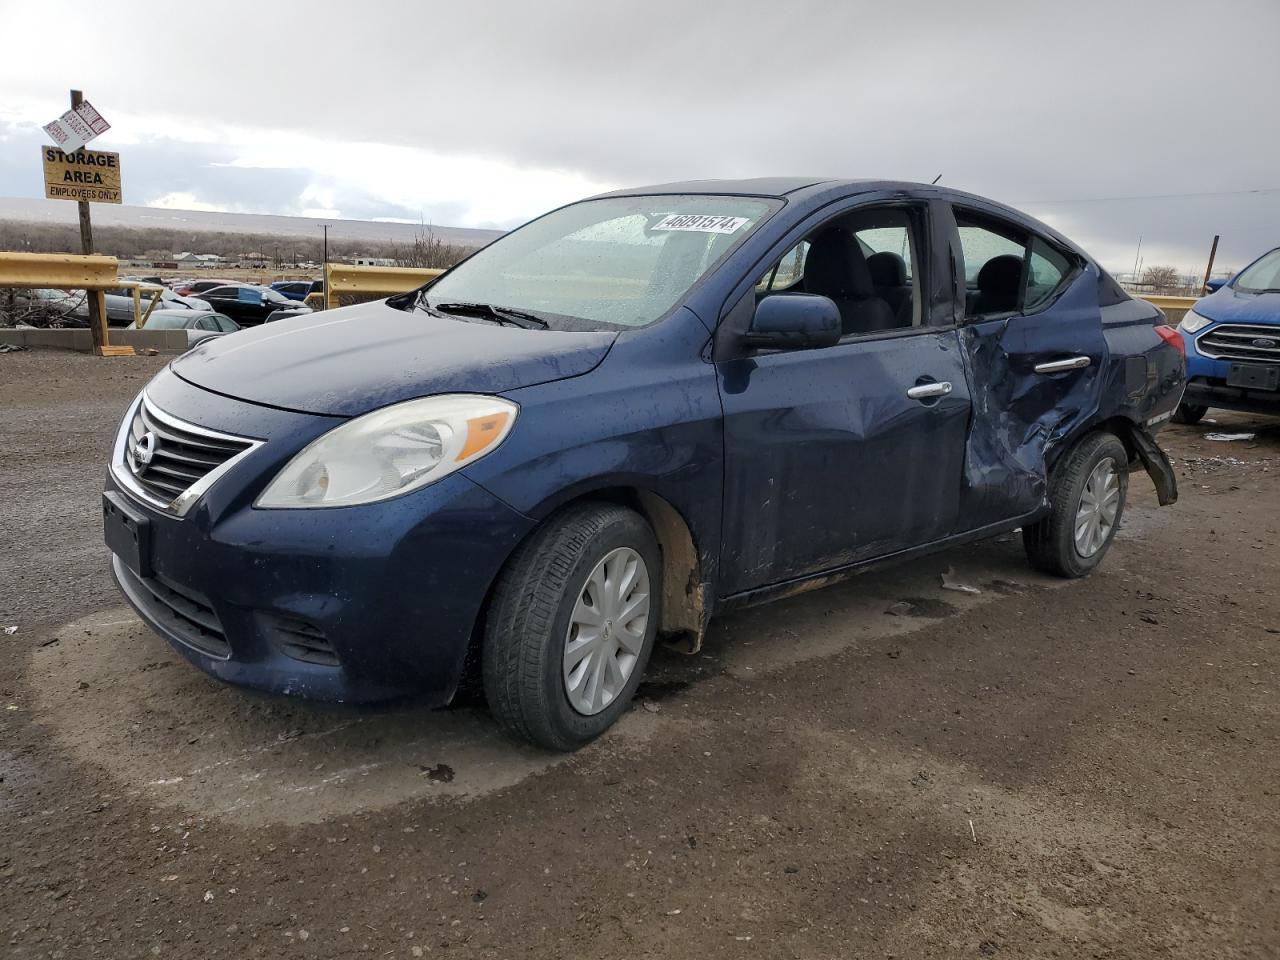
<point x="349" y="604"/>
<point x="1205" y="391"/>
<point x="1207" y="382"/>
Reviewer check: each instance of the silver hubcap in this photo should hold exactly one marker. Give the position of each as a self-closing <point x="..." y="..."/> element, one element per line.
<point x="1099" y="504"/>
<point x="606" y="631"/>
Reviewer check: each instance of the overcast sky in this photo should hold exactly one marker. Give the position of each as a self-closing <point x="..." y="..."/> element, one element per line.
<point x="486" y="113"/>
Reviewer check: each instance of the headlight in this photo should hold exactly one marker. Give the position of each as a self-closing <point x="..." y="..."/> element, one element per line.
<point x="1192" y="322"/>
<point x="392" y="451"/>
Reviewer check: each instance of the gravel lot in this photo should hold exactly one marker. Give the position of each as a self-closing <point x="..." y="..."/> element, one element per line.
<point x="1086" y="769"/>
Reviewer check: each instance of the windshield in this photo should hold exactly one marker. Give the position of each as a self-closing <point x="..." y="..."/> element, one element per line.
<point x="1262" y="275"/>
<point x="620" y="261"/>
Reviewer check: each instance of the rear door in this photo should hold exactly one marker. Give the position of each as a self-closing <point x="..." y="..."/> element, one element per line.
<point x="842" y="454"/>
<point x="1034" y="346"/>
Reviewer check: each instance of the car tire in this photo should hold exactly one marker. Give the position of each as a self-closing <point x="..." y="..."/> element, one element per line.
<point x="535" y="626"/>
<point x="1095" y="471"/>
<point x="1188" y="413"/>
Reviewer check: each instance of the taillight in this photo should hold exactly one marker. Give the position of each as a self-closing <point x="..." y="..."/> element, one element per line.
<point x="1171" y="336"/>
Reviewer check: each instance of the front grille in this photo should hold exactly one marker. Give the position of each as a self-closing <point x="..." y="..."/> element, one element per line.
<point x="1242" y="342"/>
<point x="300" y="640"/>
<point x="187" y="614"/>
<point x="168" y="457"/>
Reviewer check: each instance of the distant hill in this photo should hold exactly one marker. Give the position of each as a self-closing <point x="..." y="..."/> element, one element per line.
<point x="198" y="221"/>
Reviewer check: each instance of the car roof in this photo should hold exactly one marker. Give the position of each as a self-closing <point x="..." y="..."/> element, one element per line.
<point x="810" y="189"/>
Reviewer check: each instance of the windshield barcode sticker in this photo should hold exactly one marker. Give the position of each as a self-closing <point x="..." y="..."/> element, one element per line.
<point x="700" y="223"/>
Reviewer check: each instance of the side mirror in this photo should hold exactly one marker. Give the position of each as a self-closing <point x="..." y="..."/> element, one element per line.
<point x="1216" y="284"/>
<point x="795" y="321"/>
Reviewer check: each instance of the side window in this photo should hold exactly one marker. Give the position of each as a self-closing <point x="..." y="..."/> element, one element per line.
<point x="1007" y="269"/>
<point x="994" y="254"/>
<point x="863" y="261"/>
<point x="206" y="323"/>
<point x="224" y="324"/>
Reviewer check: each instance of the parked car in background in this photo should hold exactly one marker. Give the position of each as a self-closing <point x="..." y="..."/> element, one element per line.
<point x="120" y="310"/>
<point x="1233" y="344"/>
<point x="190" y="288"/>
<point x="250" y="305"/>
<point x="621" y="419"/>
<point x="298" y="289"/>
<point x="200" y="325"/>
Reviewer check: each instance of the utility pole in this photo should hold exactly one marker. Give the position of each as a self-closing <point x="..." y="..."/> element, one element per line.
<point x="1213" y="252"/>
<point x="94" y="298"/>
<point x="326" y="243"/>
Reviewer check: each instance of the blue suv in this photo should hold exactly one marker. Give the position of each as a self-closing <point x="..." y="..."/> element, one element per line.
<point x="1233" y="344"/>
<point x="621" y="419"/>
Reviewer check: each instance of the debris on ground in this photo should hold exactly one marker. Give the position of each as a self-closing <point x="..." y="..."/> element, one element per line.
<point x="440" y="773"/>
<point x="1005" y="587"/>
<point x="10" y="631"/>
<point x="11" y="348"/>
<point x="949" y="582"/>
<point x="1229" y="436"/>
<point x="900" y="609"/>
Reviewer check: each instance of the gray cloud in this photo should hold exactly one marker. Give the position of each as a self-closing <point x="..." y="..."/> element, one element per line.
<point x="1009" y="99"/>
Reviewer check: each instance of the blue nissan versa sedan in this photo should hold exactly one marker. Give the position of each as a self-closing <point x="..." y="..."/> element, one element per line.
<point x="616" y="421"/>
<point x="1233" y="344"/>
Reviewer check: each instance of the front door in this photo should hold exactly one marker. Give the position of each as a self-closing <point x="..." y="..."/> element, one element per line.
<point x="855" y="451"/>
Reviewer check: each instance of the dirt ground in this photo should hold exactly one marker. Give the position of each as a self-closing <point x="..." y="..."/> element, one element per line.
<point x="1041" y="769"/>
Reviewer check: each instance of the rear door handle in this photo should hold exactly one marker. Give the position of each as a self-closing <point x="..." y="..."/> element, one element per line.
<point x="923" y="391"/>
<point x="1058" y="366"/>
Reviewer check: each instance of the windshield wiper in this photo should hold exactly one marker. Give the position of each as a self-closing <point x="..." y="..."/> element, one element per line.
<point x="515" y="318"/>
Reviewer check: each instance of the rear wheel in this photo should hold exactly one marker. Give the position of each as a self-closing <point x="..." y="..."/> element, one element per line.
<point x="1087" y="493"/>
<point x="1188" y="413"/>
<point x="571" y="626"/>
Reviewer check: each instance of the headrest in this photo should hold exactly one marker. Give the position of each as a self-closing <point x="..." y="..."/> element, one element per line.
<point x="835" y="266"/>
<point x="1000" y="274"/>
<point x="887" y="269"/>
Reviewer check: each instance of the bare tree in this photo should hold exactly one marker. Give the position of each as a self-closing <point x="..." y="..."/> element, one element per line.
<point x="1162" y="279"/>
<point x="429" y="251"/>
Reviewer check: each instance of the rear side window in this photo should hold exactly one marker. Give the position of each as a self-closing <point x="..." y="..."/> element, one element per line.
<point x="1008" y="269"/>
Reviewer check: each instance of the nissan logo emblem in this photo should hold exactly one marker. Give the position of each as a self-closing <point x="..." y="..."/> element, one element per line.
<point x="144" y="448"/>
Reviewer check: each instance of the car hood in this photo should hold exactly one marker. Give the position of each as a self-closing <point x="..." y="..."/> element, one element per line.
<point x="352" y="360"/>
<point x="1231" y="306"/>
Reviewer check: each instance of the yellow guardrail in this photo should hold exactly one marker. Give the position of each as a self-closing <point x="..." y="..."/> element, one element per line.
<point x="1174" y="308"/>
<point x="68" y="271"/>
<point x="61" y="271"/>
<point x="340" y="278"/>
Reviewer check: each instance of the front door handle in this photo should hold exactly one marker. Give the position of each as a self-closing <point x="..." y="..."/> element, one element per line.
<point x="923" y="391"/>
<point x="1058" y="366"/>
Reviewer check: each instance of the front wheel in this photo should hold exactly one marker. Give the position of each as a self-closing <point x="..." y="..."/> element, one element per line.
<point x="571" y="626"/>
<point x="1188" y="413"/>
<point x="1087" y="494"/>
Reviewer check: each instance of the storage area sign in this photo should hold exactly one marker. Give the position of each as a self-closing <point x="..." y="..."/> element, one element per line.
<point x="92" y="175"/>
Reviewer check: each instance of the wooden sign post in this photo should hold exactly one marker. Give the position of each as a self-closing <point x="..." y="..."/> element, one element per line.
<point x="97" y="299"/>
